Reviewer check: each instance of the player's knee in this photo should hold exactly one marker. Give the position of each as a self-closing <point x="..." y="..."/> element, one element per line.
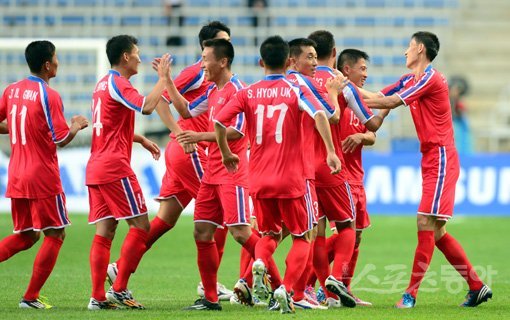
<point x="425" y="223"/>
<point x="358" y="239"/>
<point x="33" y="235"/>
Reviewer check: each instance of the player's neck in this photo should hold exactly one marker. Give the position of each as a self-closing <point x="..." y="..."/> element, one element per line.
<point x="223" y="79"/>
<point x="43" y="76"/>
<point x="123" y="72"/>
<point x="325" y="63"/>
<point x="268" y="71"/>
<point x="420" y="67"/>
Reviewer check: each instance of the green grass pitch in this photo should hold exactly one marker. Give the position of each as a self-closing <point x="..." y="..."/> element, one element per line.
<point x="167" y="277"/>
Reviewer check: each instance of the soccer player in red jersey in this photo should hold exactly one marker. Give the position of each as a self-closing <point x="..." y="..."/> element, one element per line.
<point x="222" y="197"/>
<point x="36" y="126"/>
<point x="185" y="163"/>
<point x="303" y="63"/>
<point x="425" y="91"/>
<point x="114" y="192"/>
<point x="273" y="108"/>
<point x="353" y="65"/>
<point x="333" y="192"/>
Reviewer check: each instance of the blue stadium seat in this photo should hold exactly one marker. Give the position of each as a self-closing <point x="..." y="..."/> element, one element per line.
<point x="375" y="3"/>
<point x="434" y="3"/>
<point x="353" y="42"/>
<point x="316" y="3"/>
<point x="399" y="60"/>
<point x="399" y="21"/>
<point x="26" y="2"/>
<point x="73" y="20"/>
<point x="244" y="21"/>
<point x="192" y="21"/>
<point x="377" y="60"/>
<point x="306" y="21"/>
<point x="4" y="2"/>
<point x="131" y="21"/>
<point x="409" y="3"/>
<point x="15" y="20"/>
<point x="158" y="20"/>
<point x="87" y="3"/>
<point x="280" y="21"/>
<point x="198" y="3"/>
<point x="239" y="41"/>
<point x="89" y="78"/>
<point x="146" y="3"/>
<point x="364" y="21"/>
<point x="387" y="80"/>
<point x="103" y="20"/>
<point x="49" y="20"/>
<point x="423" y="21"/>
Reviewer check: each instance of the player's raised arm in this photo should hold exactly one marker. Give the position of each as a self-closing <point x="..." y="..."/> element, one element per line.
<point x="152" y="100"/>
<point x="388" y="102"/>
<point x="77" y="123"/>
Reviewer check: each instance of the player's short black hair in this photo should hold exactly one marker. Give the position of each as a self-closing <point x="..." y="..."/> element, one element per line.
<point x="37" y="53"/>
<point x="351" y="57"/>
<point x="116" y="46"/>
<point x="222" y="49"/>
<point x="274" y="51"/>
<point x="296" y="45"/>
<point x="210" y="30"/>
<point x="430" y="41"/>
<point x="325" y="43"/>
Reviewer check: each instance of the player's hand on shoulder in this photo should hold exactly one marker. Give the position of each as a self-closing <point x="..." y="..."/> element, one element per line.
<point x="334" y="163"/>
<point x="80" y="122"/>
<point x="231" y="162"/>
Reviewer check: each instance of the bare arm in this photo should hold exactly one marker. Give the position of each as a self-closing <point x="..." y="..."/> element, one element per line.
<point x="354" y="140"/>
<point x="77" y="123"/>
<point x="163" y="110"/>
<point x="179" y="102"/>
<point x="229" y="159"/>
<point x="334" y="86"/>
<point x="194" y="137"/>
<point x="149" y="145"/>
<point x="368" y="94"/>
<point x="388" y="102"/>
<point x="3" y="128"/>
<point x="322" y="125"/>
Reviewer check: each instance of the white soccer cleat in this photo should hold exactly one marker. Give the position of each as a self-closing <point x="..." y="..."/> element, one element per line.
<point x="284" y="300"/>
<point x="338" y="288"/>
<point x="123" y="298"/>
<point x="332" y="303"/>
<point x="111" y="273"/>
<point x="224" y="294"/>
<point x="307" y="305"/>
<point x="243" y="293"/>
<point x="101" y="305"/>
<point x="260" y="280"/>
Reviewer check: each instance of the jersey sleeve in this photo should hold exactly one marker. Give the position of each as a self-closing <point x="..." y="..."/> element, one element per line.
<point x="123" y="92"/>
<point x="356" y="103"/>
<point x="321" y="94"/>
<point x="188" y="80"/>
<point x="54" y="113"/>
<point x="307" y="101"/>
<point x="233" y="109"/>
<point x="200" y="104"/>
<point x="397" y="86"/>
<point x="418" y="89"/>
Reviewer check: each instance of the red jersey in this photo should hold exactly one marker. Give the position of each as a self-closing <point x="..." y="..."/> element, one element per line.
<point x="273" y="110"/>
<point x="427" y="97"/>
<point x="308" y="123"/>
<point x="191" y="84"/>
<point x="350" y="98"/>
<point x="213" y="101"/>
<point x="353" y="168"/>
<point x="35" y="118"/>
<point x="113" y="104"/>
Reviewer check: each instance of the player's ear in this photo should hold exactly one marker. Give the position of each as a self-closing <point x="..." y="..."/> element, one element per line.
<point x="47" y="65"/>
<point x="261" y="63"/>
<point x="287" y="63"/>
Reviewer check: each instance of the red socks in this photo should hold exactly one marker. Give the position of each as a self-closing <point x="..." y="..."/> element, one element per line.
<point x="422" y="257"/>
<point x="300" y="285"/>
<point x="43" y="265"/>
<point x="295" y="262"/>
<point x="352" y="265"/>
<point x="344" y="247"/>
<point x="13" y="244"/>
<point x="131" y="253"/>
<point x="320" y="259"/>
<point x="99" y="258"/>
<point x="208" y="264"/>
<point x="158" y="228"/>
<point x="456" y="255"/>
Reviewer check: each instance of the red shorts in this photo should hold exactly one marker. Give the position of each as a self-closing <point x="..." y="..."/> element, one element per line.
<point x="39" y="214"/>
<point x="336" y="203"/>
<point x="183" y="174"/>
<point x="440" y="170"/>
<point x="271" y="213"/>
<point x="222" y="204"/>
<point x="312" y="205"/>
<point x="122" y="199"/>
<point x="360" y="204"/>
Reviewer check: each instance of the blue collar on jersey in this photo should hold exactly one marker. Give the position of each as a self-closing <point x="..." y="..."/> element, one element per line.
<point x="428" y="68"/>
<point x="324" y="68"/>
<point x="291" y="72"/>
<point x="274" y="77"/>
<point x="36" y="79"/>
<point x="115" y="72"/>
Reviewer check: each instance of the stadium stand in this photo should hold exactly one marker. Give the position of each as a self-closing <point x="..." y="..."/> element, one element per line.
<point x="379" y="27"/>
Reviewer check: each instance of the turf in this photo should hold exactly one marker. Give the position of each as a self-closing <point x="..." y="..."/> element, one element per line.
<point x="167" y="276"/>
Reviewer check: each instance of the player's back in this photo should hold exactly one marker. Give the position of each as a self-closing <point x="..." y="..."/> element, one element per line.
<point x="113" y="103"/>
<point x="36" y="123"/>
<point x="273" y="117"/>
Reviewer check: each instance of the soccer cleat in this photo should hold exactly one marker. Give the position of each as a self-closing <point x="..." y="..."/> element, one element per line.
<point x="234" y="300"/>
<point x="260" y="280"/>
<point x="321" y="296"/>
<point x="338" y="288"/>
<point x="331" y="303"/>
<point x="243" y="293"/>
<point x="111" y="273"/>
<point x="475" y="297"/>
<point x="101" y="305"/>
<point x="360" y="302"/>
<point x="34" y="304"/>
<point x="273" y="305"/>
<point x="203" y="304"/>
<point x="284" y="300"/>
<point x="310" y="293"/>
<point x="123" y="298"/>
<point x="407" y="301"/>
<point x="307" y="304"/>
<point x="224" y="294"/>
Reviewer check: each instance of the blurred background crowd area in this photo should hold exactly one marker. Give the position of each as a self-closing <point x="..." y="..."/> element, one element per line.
<point x="473" y="54"/>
